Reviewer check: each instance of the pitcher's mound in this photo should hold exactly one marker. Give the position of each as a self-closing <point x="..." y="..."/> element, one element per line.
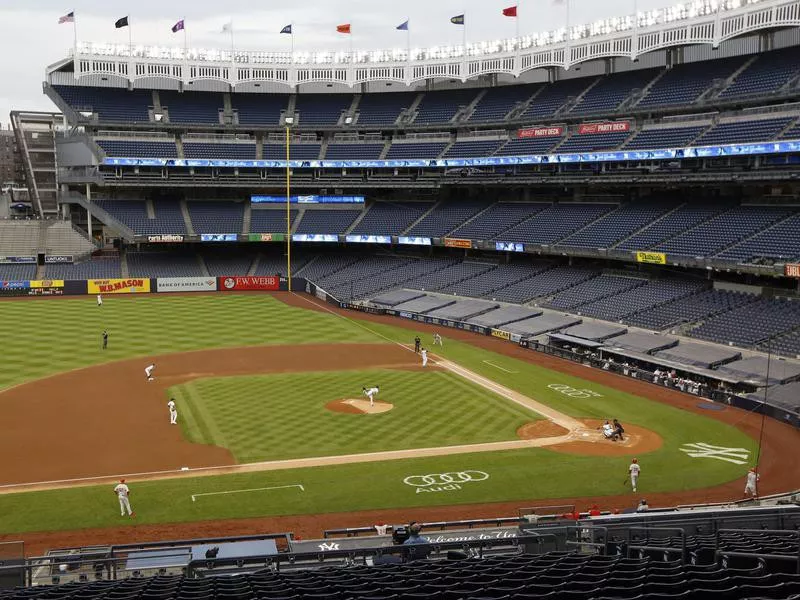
<point x="358" y="406"/>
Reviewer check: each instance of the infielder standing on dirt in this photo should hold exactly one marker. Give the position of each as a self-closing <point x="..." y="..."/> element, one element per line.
<point x="633" y="470"/>
<point x="148" y="371"/>
<point x="371" y="393"/>
<point x="173" y="412"/>
<point x="750" y="488"/>
<point x="417" y="342"/>
<point x="122" y="491"/>
<point x="424" y="357"/>
<point x="437" y="339"/>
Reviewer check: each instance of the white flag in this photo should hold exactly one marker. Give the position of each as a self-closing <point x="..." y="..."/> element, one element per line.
<point x="227" y="27"/>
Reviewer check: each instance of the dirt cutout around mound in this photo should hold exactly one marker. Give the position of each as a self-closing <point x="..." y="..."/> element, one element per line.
<point x="540" y="429"/>
<point x="359" y="406"/>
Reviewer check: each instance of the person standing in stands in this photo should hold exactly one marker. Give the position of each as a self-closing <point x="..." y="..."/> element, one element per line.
<point x="417" y="342"/>
<point x="105" y="339"/>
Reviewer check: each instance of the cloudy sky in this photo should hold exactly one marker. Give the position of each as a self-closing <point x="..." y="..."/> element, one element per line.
<point x="31" y="39"/>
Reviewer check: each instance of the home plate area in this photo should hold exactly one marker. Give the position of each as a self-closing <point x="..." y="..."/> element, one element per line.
<point x="359" y="406"/>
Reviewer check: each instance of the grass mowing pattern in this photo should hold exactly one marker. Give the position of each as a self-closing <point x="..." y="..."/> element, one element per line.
<point x="282" y="416"/>
<point x="52" y="336"/>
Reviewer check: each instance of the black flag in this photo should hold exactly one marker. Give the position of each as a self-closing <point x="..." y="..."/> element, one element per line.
<point x="120" y="23"/>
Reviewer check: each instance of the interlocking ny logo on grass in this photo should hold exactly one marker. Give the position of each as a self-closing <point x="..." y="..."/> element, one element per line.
<point x="444" y="482"/>
<point x="737" y="456"/>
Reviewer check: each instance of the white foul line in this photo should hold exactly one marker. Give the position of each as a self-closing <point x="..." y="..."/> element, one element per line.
<point x="499" y="367"/>
<point x="278" y="487"/>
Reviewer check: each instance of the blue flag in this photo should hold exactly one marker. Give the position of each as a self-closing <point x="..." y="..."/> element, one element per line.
<point x="287" y="29"/>
<point x="403" y="26"/>
<point x="457" y="20"/>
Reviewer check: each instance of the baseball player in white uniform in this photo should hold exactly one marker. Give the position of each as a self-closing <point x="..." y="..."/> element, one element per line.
<point x="148" y="372"/>
<point x="122" y="491"/>
<point x="371" y="393"/>
<point x="750" y="486"/>
<point x="437" y="339"/>
<point x="608" y="430"/>
<point x="173" y="412"/>
<point x="99" y="300"/>
<point x="424" y="354"/>
<point x="633" y="470"/>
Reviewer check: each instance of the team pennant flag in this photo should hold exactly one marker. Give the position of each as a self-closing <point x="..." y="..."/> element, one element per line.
<point x="343" y="28"/>
<point x="120" y="23"/>
<point x="403" y="26"/>
<point x="67" y="18"/>
<point x="287" y="29"/>
<point x="178" y="26"/>
<point x="457" y="20"/>
<point x="511" y="11"/>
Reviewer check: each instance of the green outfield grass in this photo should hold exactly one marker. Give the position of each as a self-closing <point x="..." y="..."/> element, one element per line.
<point x="56" y="335"/>
<point x="282" y="416"/>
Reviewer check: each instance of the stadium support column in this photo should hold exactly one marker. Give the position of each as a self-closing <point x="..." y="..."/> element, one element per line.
<point x="288" y="214"/>
<point x="89" y="209"/>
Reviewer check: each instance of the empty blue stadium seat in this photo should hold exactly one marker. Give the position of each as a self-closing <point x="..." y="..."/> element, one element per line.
<point x="664" y="137"/>
<point x="259" y="109"/>
<point x="321" y="109"/>
<point x="554" y="96"/>
<point x="138" y="149"/>
<point x="761" y="130"/>
<point x="327" y="221"/>
<point x="684" y="83"/>
<point x="297" y="151"/>
<point x="354" y="151"/>
<point x="383" y="109"/>
<point x="554" y="223"/>
<point x="769" y="72"/>
<point x="212" y="150"/>
<point x="192" y="107"/>
<point x="415" y="150"/>
<point x="497" y="102"/>
<point x="216" y="216"/>
<point x="441" y="107"/>
<point x="110" y="104"/>
<point x="390" y="218"/>
<point x="611" y="90"/>
<point x="472" y="148"/>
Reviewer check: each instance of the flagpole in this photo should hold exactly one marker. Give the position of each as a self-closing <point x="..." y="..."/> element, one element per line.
<point x="408" y="39"/>
<point x="74" y="34"/>
<point x="516" y="19"/>
<point x="291" y="35"/>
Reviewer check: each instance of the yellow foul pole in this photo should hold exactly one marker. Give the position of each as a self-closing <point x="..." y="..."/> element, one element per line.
<point x="288" y="217"/>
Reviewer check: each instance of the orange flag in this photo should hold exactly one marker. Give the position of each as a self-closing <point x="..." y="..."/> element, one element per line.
<point x="343" y="28"/>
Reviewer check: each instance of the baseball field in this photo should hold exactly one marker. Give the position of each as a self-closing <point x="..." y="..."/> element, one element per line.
<point x="274" y="433"/>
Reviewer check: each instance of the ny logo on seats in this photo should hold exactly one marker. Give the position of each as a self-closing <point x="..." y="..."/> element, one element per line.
<point x="328" y="546"/>
<point x="737" y="456"/>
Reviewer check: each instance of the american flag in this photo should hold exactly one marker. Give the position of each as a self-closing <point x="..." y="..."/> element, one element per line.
<point x="67" y="18"/>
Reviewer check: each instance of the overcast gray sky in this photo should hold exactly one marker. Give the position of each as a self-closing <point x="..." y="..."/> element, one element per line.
<point x="31" y="39"/>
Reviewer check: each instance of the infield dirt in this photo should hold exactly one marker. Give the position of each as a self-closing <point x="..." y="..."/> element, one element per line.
<point x="113" y="406"/>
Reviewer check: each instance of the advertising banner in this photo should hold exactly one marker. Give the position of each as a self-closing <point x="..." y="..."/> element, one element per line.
<point x="17" y="259"/>
<point x="509" y="247"/>
<point x="457" y="243"/>
<point x="653" y="258"/>
<point x="118" y="286"/>
<point x="267" y="237"/>
<point x="186" y="284"/>
<point x="533" y="132"/>
<point x="311" y="199"/>
<point x="47" y="283"/>
<point x="792" y="270"/>
<point x="165" y="238"/>
<point x="503" y="335"/>
<point x="315" y="237"/>
<point x="414" y="241"/>
<point x="15" y="285"/>
<point x="368" y="239"/>
<point x="609" y="127"/>
<point x="249" y="284"/>
<point x="58" y="259"/>
<point x="218" y="237"/>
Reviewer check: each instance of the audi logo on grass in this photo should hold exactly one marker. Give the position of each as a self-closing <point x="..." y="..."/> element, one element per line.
<point x="444" y="482"/>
